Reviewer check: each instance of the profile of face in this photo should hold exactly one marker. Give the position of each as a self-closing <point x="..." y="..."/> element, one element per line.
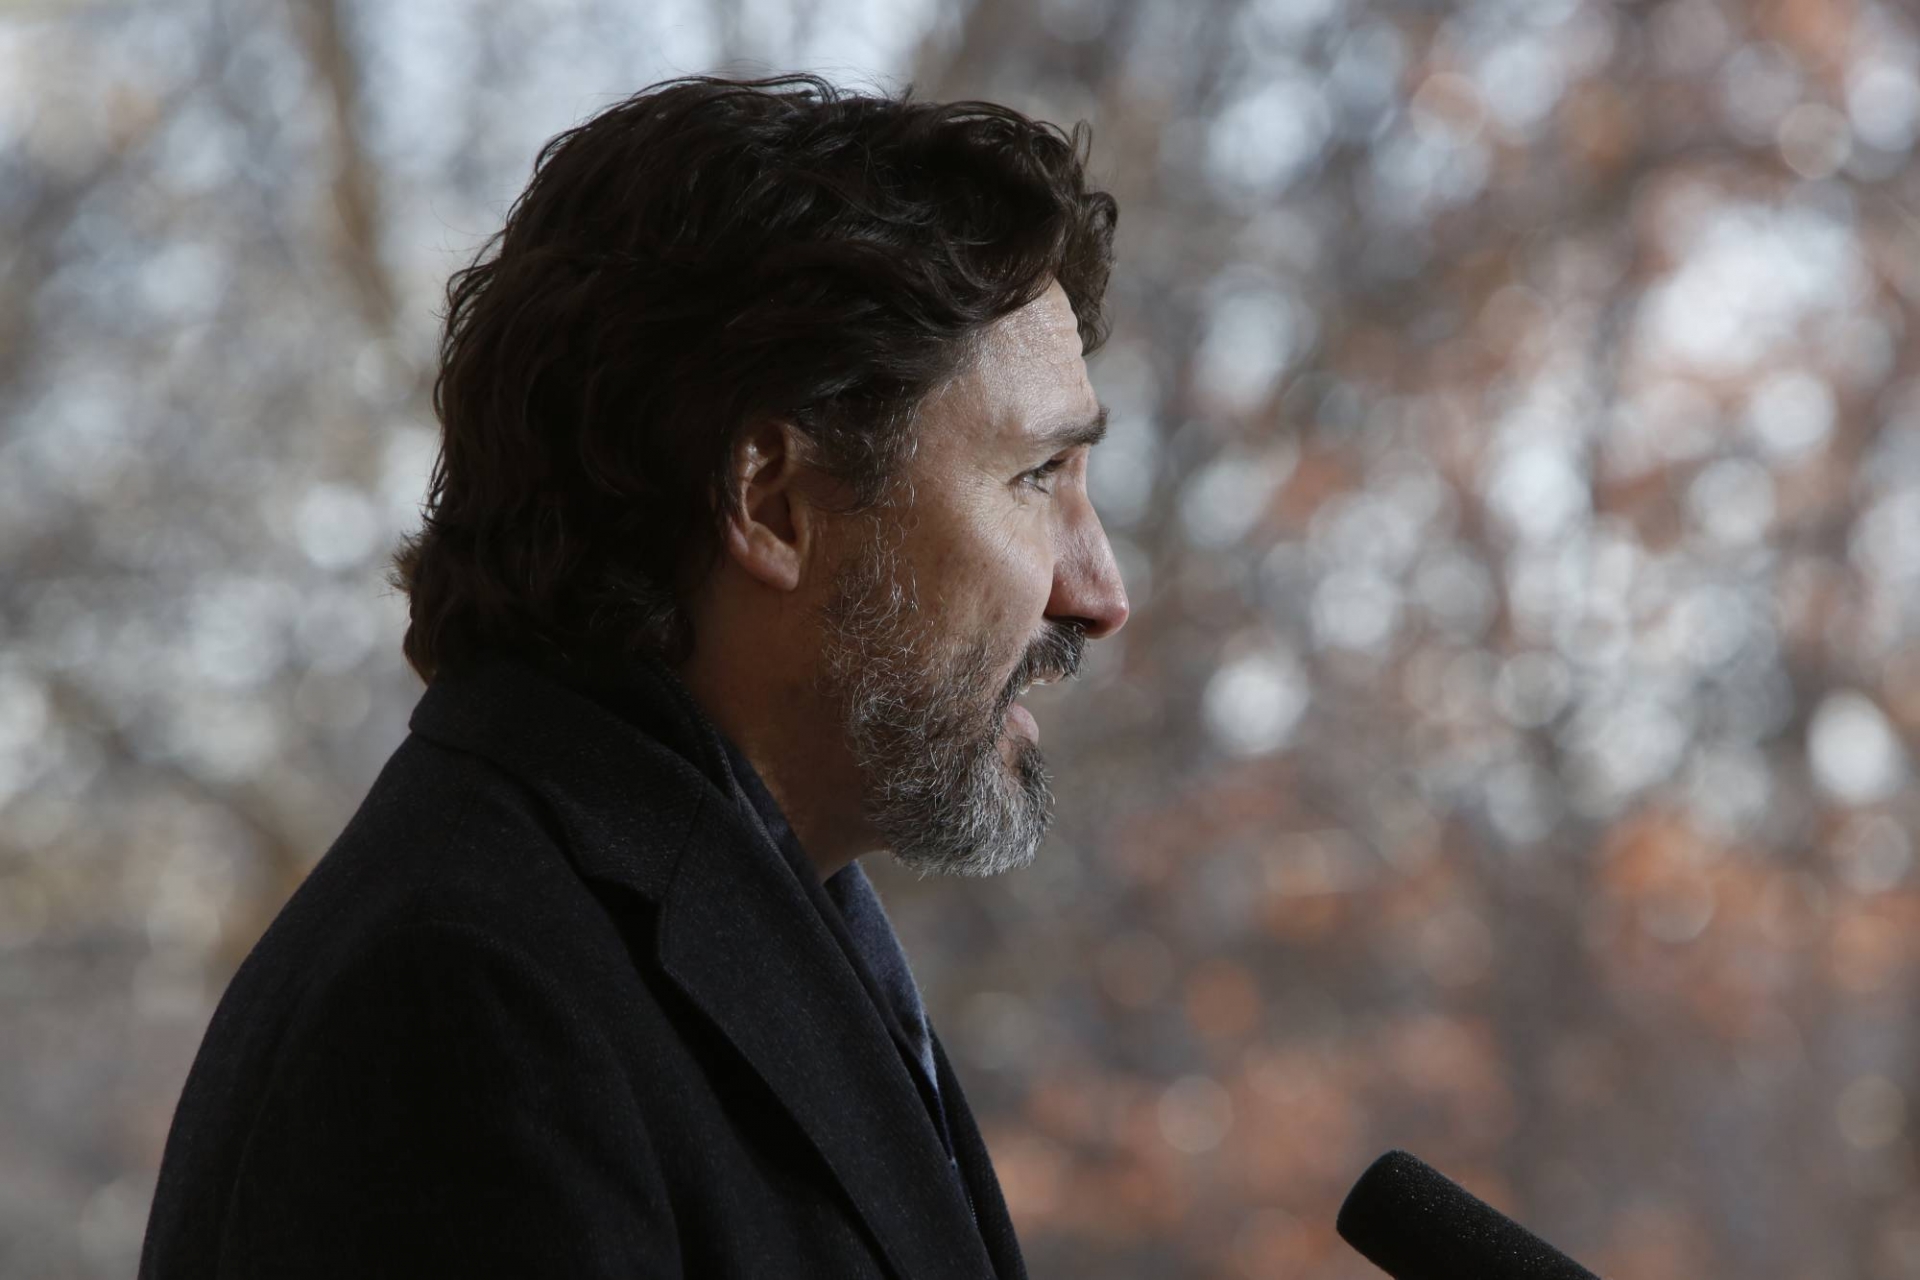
<point x="987" y="572"/>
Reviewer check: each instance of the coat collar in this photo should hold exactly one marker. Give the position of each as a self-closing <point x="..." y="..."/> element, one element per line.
<point x="645" y="801"/>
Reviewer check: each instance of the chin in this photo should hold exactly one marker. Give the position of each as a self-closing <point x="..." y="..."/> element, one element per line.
<point x="975" y="864"/>
<point x="988" y="819"/>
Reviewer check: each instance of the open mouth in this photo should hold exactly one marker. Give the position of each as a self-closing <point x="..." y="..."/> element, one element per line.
<point x="1018" y="717"/>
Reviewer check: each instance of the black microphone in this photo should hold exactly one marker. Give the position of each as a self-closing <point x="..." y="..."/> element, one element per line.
<point x="1414" y="1223"/>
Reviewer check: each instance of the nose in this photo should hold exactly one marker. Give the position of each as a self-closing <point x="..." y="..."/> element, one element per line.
<point x="1087" y="590"/>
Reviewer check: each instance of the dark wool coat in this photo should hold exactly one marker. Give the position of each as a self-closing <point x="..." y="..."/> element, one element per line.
<point x="555" y="1005"/>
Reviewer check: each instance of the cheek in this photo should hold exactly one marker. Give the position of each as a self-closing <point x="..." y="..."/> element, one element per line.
<point x="991" y="578"/>
<point x="1010" y="583"/>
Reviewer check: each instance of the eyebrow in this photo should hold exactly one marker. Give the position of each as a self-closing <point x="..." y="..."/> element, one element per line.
<point x="1073" y="434"/>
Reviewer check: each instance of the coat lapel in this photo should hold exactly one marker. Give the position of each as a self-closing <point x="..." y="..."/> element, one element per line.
<point x="970" y="1152"/>
<point x="741" y="939"/>
<point x="639" y="797"/>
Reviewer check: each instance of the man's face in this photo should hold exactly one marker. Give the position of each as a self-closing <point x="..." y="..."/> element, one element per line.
<point x="986" y="575"/>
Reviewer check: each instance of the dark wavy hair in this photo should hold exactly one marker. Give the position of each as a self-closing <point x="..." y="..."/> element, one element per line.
<point x="705" y="255"/>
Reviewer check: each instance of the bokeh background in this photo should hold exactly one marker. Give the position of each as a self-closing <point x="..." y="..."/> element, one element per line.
<point x="1515" y="465"/>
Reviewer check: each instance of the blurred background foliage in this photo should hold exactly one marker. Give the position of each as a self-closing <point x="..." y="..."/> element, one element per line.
<point x="1515" y="465"/>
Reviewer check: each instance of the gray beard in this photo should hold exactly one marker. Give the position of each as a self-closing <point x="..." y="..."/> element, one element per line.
<point x="926" y="726"/>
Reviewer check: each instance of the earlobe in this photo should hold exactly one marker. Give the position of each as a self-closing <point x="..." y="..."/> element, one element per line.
<point x="768" y="533"/>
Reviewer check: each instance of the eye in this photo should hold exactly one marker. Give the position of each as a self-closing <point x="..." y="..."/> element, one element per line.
<point x="1037" y="478"/>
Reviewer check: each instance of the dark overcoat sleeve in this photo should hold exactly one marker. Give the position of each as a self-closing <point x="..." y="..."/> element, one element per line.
<point x="441" y="1106"/>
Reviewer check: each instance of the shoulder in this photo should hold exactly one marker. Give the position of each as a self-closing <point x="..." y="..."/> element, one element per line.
<point x="451" y="881"/>
<point x="446" y="995"/>
<point x="443" y="1090"/>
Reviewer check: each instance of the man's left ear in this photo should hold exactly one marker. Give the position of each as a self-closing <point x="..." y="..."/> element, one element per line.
<point x="772" y="529"/>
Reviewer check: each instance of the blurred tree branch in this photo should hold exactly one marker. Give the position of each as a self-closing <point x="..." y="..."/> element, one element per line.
<point x="355" y="184"/>
<point x="285" y="852"/>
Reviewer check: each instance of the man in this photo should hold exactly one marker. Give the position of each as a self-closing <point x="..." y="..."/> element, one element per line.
<point x="762" y="498"/>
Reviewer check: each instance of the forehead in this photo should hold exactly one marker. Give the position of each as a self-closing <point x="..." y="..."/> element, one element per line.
<point x="1028" y="375"/>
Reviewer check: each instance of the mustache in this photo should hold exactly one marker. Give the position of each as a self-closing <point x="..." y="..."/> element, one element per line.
<point x="1055" y="656"/>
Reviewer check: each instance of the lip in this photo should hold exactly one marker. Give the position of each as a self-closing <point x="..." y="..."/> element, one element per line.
<point x="1023" y="722"/>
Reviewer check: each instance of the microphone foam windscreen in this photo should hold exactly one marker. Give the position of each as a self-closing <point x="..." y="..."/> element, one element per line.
<point x="1414" y="1223"/>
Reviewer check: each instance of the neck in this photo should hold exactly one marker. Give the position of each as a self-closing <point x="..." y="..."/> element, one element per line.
<point x="780" y="726"/>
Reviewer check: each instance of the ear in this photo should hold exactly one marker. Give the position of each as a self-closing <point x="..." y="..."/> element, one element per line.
<point x="772" y="530"/>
